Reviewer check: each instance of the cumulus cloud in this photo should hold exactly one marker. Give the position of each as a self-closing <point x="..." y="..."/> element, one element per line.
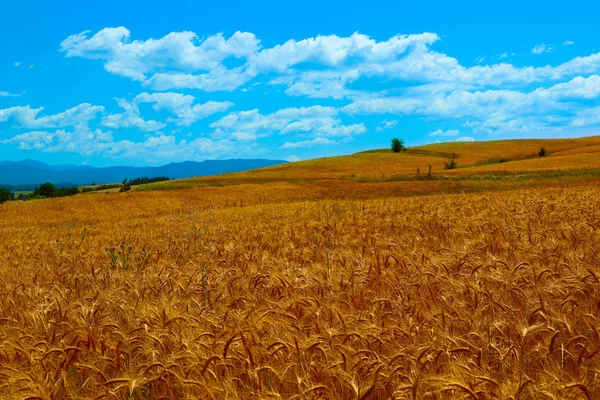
<point x="175" y="56"/>
<point x="80" y="140"/>
<point x="317" y="121"/>
<point x="333" y="50"/>
<point x="403" y="75"/>
<point x="324" y="66"/>
<point x="183" y="60"/>
<point x="85" y="141"/>
<point x="182" y="106"/>
<point x="568" y="43"/>
<point x="219" y="78"/>
<point x="130" y="118"/>
<point x="465" y="139"/>
<point x="27" y="117"/>
<point x="494" y="109"/>
<point x="183" y="109"/>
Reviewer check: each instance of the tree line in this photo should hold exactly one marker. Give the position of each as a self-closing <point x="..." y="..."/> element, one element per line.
<point x="49" y="190"/>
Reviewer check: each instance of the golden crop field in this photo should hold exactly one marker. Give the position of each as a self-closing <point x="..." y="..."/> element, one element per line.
<point x="310" y="285"/>
<point x="473" y="158"/>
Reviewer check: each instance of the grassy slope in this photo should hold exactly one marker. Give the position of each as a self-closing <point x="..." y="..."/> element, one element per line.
<point x="574" y="159"/>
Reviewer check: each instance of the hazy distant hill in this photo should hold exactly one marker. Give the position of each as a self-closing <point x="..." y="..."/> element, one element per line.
<point x="31" y="172"/>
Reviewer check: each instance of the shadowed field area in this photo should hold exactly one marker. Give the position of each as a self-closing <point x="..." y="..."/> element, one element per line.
<point x="303" y="281"/>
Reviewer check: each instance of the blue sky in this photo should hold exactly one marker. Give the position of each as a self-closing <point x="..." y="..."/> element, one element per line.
<point x="147" y="83"/>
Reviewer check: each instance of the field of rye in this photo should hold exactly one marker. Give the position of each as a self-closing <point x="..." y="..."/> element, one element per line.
<point x="193" y="294"/>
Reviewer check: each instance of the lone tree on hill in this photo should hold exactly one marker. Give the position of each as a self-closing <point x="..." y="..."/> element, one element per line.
<point x="397" y="145"/>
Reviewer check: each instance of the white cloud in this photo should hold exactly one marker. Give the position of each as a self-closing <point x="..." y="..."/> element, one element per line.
<point x="183" y="106"/>
<point x="219" y="78"/>
<point x="130" y="119"/>
<point x="85" y="141"/>
<point x="451" y="132"/>
<point x="293" y="158"/>
<point x="385" y="124"/>
<point x="568" y="43"/>
<point x="401" y="75"/>
<point x="307" y="143"/>
<point x="17" y="63"/>
<point x="465" y="139"/>
<point x="319" y="84"/>
<point x="181" y="60"/>
<point x="316" y="121"/>
<point x="542" y="48"/>
<point x="333" y="50"/>
<point x="178" y="52"/>
<point x="493" y="109"/>
<point x="27" y="117"/>
<point x="317" y="67"/>
<point x="81" y="140"/>
<point x="32" y="140"/>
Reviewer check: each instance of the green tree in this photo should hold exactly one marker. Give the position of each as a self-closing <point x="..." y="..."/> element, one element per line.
<point x="47" y="190"/>
<point x="4" y="195"/>
<point x="397" y="145"/>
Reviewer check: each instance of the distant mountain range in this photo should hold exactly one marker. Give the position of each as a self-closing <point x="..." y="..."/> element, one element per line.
<point x="26" y="174"/>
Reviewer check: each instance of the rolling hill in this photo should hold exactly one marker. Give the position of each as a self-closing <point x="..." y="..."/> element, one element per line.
<point x="474" y="159"/>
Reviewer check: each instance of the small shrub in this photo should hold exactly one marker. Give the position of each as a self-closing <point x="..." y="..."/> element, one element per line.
<point x="451" y="164"/>
<point x="125" y="187"/>
<point x="542" y="152"/>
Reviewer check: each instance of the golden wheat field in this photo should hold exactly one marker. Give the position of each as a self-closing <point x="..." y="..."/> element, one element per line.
<point x="325" y="289"/>
<point x="505" y="156"/>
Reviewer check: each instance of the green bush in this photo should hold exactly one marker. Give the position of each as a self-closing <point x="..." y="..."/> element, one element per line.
<point x="542" y="152"/>
<point x="45" y="190"/>
<point x="4" y="195"/>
